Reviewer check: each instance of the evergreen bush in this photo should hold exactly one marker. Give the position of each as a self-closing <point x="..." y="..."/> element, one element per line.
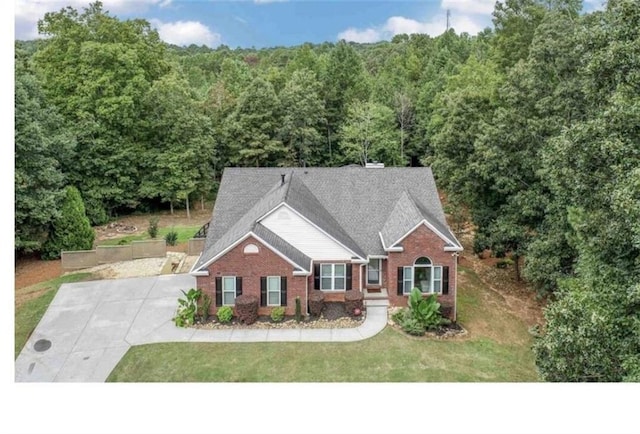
<point x="71" y="230"/>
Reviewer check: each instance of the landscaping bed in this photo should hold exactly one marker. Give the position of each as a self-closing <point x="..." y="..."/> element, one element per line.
<point x="445" y="331"/>
<point x="333" y="316"/>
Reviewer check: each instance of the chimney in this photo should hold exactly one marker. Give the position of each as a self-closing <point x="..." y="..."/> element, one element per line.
<point x="282" y="175"/>
<point x="374" y="165"/>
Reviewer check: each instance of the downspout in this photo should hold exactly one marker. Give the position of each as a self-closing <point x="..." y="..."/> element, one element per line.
<point x="360" y="279"/>
<point x="306" y="304"/>
<point x="455" y="276"/>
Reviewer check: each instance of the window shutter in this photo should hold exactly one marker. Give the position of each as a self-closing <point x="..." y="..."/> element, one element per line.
<point x="263" y="291"/>
<point x="218" y="291"/>
<point x="349" y="279"/>
<point x="316" y="276"/>
<point x="283" y="291"/>
<point x="400" y="280"/>
<point x="238" y="286"/>
<point x="445" y="280"/>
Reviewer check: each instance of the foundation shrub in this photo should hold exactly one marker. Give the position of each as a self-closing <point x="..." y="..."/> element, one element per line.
<point x="247" y="308"/>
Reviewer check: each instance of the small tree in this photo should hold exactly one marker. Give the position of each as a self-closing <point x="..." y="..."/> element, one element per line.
<point x="71" y="230"/>
<point x="153" y="227"/>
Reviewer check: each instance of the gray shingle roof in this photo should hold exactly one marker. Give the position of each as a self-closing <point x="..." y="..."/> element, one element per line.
<point x="352" y="204"/>
<point x="404" y="216"/>
<point x="300" y="198"/>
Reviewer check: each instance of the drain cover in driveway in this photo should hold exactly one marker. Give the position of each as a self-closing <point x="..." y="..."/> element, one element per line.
<point x="42" y="345"/>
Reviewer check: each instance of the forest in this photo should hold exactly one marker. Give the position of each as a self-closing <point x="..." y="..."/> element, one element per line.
<point x="531" y="127"/>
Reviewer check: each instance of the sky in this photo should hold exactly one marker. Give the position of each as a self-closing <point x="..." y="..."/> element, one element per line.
<point x="269" y="23"/>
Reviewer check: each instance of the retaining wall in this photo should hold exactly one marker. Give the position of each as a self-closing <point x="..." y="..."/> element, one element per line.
<point x="108" y="254"/>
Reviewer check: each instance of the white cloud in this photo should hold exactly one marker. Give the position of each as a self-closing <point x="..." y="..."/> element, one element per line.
<point x="479" y="7"/>
<point x="28" y="12"/>
<point x="186" y="33"/>
<point x="468" y="22"/>
<point x="361" y="36"/>
<point x="262" y="2"/>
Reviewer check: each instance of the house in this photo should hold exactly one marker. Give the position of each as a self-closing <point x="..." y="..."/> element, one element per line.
<point x="280" y="233"/>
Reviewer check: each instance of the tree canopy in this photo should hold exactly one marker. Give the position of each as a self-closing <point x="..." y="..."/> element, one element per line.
<point x="532" y="126"/>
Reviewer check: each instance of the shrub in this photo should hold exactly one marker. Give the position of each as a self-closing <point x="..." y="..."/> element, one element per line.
<point x="187" y="308"/>
<point x="423" y="314"/>
<point x="398" y="316"/>
<point x="123" y="242"/>
<point x="479" y="245"/>
<point x="96" y="212"/>
<point x="71" y="230"/>
<point x="247" y="308"/>
<point x="277" y="314"/>
<point x="408" y="323"/>
<point x="425" y="310"/>
<point x="412" y="326"/>
<point x="171" y="238"/>
<point x="353" y="300"/>
<point x="225" y="314"/>
<point x="153" y="227"/>
<point x="298" y="310"/>
<point x="316" y="303"/>
<point x="205" y="305"/>
<point x="504" y="263"/>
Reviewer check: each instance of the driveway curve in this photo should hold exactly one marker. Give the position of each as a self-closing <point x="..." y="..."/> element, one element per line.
<point x="89" y="326"/>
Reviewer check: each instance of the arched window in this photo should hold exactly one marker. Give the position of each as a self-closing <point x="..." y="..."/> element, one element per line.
<point x="423" y="261"/>
<point x="422" y="275"/>
<point x="250" y="249"/>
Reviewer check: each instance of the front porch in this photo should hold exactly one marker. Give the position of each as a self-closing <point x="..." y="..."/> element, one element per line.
<point x="375" y="296"/>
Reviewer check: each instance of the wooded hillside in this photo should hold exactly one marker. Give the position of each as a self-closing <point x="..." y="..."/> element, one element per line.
<point x="534" y="126"/>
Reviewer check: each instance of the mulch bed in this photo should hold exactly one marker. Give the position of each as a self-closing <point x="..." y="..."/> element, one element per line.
<point x="333" y="316"/>
<point x="452" y="330"/>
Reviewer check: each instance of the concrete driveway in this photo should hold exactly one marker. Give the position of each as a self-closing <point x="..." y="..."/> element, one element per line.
<point x="91" y="325"/>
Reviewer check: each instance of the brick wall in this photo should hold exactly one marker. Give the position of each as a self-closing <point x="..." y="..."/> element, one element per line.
<point x="422" y="242"/>
<point x="252" y="266"/>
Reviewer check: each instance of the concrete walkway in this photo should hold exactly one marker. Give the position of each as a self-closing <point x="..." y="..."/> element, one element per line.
<point x="91" y="325"/>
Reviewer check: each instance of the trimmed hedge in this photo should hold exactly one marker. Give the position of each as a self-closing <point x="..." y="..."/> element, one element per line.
<point x="247" y="308"/>
<point x="316" y="303"/>
<point x="353" y="300"/>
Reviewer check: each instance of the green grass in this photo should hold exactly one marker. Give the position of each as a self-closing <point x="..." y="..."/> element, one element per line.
<point x="497" y="349"/>
<point x="185" y="233"/>
<point x="28" y="315"/>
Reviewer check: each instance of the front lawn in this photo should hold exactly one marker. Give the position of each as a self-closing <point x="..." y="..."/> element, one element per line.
<point x="29" y="313"/>
<point x="497" y="348"/>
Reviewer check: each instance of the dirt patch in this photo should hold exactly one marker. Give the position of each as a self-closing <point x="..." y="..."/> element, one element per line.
<point x="31" y="270"/>
<point x="517" y="295"/>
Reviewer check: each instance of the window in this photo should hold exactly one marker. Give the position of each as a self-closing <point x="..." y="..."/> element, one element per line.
<point x="424" y="276"/>
<point x="373" y="272"/>
<point x="228" y="291"/>
<point x="332" y="277"/>
<point x="250" y="249"/>
<point x="273" y="291"/>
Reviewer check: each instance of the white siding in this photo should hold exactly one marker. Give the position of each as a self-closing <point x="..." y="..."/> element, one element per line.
<point x="303" y="235"/>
